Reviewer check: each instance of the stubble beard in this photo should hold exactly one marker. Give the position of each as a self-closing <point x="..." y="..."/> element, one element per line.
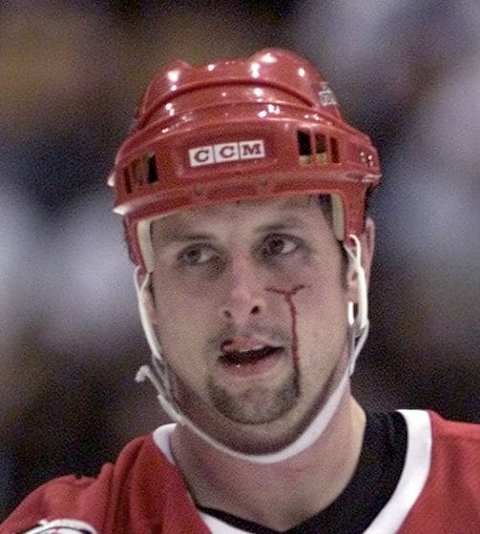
<point x="258" y="404"/>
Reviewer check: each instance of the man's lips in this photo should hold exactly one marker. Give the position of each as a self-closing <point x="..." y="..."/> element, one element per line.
<point x="247" y="350"/>
<point x="249" y="357"/>
<point x="246" y="343"/>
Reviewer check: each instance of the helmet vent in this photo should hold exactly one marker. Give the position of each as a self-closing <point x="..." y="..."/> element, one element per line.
<point x="152" y="175"/>
<point x="334" y="154"/>
<point x="304" y="147"/>
<point x="140" y="172"/>
<point x="321" y="153"/>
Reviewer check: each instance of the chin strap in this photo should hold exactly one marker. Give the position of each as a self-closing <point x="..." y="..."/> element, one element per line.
<point x="158" y="373"/>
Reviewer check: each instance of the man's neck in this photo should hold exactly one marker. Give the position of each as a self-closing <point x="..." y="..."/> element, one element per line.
<point x="278" y="495"/>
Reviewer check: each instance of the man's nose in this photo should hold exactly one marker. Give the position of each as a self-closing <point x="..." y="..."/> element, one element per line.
<point x="244" y="294"/>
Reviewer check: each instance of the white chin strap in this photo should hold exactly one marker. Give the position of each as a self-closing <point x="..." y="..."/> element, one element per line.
<point x="158" y="373"/>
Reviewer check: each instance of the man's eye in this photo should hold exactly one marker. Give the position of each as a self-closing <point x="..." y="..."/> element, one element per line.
<point x="196" y="255"/>
<point x="277" y="245"/>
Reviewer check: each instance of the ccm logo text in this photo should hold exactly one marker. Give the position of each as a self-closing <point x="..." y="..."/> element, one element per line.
<point x="224" y="152"/>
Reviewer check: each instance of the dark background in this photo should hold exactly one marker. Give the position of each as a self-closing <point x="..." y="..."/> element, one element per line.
<point x="406" y="72"/>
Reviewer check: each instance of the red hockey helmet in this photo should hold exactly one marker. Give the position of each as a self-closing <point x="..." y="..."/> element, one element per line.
<point x="259" y="127"/>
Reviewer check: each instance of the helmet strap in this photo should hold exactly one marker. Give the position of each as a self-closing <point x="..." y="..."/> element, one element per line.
<point x="358" y="322"/>
<point x="158" y="373"/>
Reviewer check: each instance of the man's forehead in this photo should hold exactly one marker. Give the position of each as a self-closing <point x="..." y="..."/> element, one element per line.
<point x="258" y="214"/>
<point x="267" y="206"/>
<point x="246" y="219"/>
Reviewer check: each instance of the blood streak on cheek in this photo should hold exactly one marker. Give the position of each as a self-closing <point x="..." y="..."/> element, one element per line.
<point x="288" y="294"/>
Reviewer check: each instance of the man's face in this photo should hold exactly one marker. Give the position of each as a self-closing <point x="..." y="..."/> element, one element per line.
<point x="250" y="307"/>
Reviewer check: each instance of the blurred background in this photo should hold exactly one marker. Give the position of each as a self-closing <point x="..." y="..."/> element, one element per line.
<point x="406" y="72"/>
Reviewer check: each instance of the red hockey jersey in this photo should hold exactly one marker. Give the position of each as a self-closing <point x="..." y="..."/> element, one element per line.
<point x="143" y="492"/>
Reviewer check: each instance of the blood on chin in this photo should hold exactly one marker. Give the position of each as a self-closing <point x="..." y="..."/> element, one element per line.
<point x="259" y="419"/>
<point x="264" y="425"/>
<point x="255" y="421"/>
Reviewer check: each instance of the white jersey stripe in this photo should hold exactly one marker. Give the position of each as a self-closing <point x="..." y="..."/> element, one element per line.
<point x="414" y="475"/>
<point x="412" y="480"/>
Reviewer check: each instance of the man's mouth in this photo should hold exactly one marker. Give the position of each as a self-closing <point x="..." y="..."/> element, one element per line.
<point x="248" y="356"/>
<point x="243" y="351"/>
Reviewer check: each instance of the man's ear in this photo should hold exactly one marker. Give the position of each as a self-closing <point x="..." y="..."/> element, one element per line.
<point x="367" y="242"/>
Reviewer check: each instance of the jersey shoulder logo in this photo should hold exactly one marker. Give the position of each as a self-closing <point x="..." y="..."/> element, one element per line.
<point x="60" y="526"/>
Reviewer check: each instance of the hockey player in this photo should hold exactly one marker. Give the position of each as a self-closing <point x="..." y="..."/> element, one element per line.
<point x="243" y="193"/>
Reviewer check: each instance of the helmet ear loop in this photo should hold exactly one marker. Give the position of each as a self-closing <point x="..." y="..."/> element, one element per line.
<point x="140" y="289"/>
<point x="158" y="376"/>
<point x="358" y="323"/>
